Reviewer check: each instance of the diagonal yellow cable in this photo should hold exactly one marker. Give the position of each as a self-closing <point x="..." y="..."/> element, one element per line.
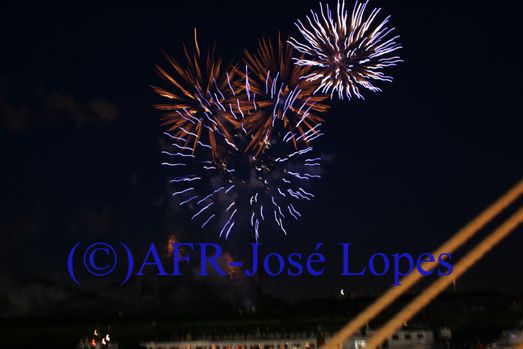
<point x="443" y="282"/>
<point x="407" y="282"/>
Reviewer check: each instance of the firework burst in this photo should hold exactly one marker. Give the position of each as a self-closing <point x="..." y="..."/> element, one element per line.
<point x="346" y="53"/>
<point x="277" y="119"/>
<point x="254" y="127"/>
<point x="196" y="114"/>
<point x="244" y="190"/>
<point x="273" y="99"/>
<point x="263" y="187"/>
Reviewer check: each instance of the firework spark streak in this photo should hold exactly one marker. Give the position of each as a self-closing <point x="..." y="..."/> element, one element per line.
<point x="241" y="138"/>
<point x="243" y="190"/>
<point x="196" y="113"/>
<point x="275" y="102"/>
<point x="346" y="53"/>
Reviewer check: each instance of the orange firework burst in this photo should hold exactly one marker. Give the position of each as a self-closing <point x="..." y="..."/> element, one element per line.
<point x="195" y="114"/>
<point x="272" y="92"/>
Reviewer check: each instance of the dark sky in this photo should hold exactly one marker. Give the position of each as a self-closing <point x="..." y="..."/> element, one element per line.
<point x="80" y="141"/>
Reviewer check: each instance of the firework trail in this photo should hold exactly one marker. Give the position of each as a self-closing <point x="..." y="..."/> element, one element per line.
<point x="346" y="53"/>
<point x="438" y="286"/>
<point x="196" y="114"/>
<point x="460" y="238"/>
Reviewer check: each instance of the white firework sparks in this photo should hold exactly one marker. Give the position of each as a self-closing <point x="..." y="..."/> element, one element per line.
<point x="346" y="53"/>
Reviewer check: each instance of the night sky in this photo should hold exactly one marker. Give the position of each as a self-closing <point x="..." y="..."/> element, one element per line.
<point x="81" y="142"/>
